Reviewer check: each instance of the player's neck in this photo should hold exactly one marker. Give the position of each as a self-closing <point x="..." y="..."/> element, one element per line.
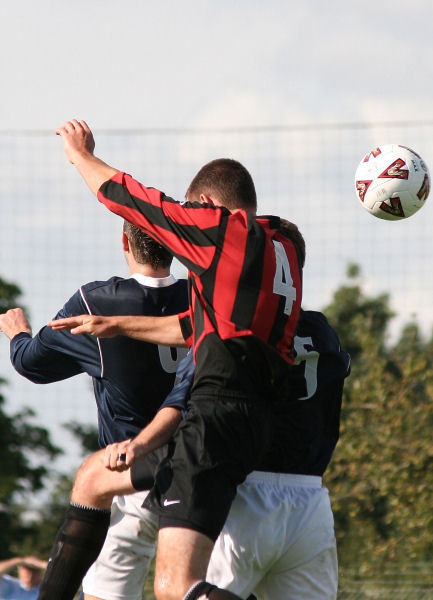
<point x="148" y="270"/>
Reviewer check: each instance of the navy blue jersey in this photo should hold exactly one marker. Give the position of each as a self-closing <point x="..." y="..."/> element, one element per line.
<point x="179" y="395"/>
<point x="131" y="378"/>
<point x="305" y="426"/>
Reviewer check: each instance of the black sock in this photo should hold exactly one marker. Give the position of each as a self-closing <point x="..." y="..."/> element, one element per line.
<point x="210" y="591"/>
<point x="77" y="545"/>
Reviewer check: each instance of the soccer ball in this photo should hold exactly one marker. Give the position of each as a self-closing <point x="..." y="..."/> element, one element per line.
<point x="392" y="182"/>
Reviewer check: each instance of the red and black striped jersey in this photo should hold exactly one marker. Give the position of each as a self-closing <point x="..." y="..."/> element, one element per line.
<point x="244" y="274"/>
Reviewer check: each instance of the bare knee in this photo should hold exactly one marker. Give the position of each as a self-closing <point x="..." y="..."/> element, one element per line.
<point x="170" y="586"/>
<point x="91" y="485"/>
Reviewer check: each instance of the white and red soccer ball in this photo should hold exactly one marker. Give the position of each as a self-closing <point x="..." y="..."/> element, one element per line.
<point x="392" y="182"/>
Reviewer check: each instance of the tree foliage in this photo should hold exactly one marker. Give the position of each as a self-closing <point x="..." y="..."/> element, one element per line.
<point x="381" y="476"/>
<point x="25" y="452"/>
<point x="87" y="435"/>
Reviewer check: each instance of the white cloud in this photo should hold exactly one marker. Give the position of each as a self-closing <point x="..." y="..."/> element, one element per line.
<point x="171" y="64"/>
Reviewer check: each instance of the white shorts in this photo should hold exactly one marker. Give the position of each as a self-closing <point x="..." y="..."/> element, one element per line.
<point x="123" y="564"/>
<point x="278" y="541"/>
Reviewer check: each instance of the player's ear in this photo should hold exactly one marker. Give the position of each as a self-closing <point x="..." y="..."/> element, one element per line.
<point x="125" y="242"/>
<point x="206" y="199"/>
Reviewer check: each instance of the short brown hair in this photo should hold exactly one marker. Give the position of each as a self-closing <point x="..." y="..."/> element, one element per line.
<point x="145" y="249"/>
<point x="228" y="181"/>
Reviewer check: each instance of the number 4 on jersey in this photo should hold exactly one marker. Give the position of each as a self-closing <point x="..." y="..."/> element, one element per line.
<point x="283" y="281"/>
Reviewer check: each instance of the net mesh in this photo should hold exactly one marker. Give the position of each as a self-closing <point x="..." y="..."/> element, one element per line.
<point x="55" y="236"/>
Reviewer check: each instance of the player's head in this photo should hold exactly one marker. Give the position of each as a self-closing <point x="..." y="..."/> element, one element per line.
<point x="145" y="249"/>
<point x="224" y="181"/>
<point x="291" y="231"/>
<point x="29" y="575"/>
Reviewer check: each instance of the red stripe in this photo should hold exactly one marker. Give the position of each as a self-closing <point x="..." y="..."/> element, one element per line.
<point x="283" y="345"/>
<point x="135" y="188"/>
<point x="229" y="271"/>
<point x="267" y="302"/>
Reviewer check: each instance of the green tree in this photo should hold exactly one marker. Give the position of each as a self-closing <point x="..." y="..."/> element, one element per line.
<point x="40" y="532"/>
<point x="87" y="435"/>
<point x="381" y="475"/>
<point x="25" y="450"/>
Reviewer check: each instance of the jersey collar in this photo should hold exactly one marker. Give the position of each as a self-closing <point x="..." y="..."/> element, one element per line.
<point x="155" y="282"/>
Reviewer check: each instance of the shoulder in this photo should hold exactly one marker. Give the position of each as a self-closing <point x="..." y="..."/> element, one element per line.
<point x="324" y="339"/>
<point x="78" y="302"/>
<point x="7" y="582"/>
<point x="182" y="284"/>
<point x="94" y="290"/>
<point x="312" y="319"/>
<point x="314" y="324"/>
<point x="95" y="285"/>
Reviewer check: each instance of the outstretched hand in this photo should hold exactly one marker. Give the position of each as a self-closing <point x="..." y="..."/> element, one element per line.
<point x="78" y="141"/>
<point x="98" y="326"/>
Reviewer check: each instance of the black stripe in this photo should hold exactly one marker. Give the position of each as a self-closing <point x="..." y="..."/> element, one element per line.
<point x="209" y="278"/>
<point x="192" y="234"/>
<point x="279" y="323"/>
<point x="186" y="327"/>
<point x="245" y="305"/>
<point x="198" y="317"/>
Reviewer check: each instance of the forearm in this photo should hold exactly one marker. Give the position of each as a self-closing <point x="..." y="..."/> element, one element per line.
<point x="121" y="455"/>
<point x="94" y="171"/>
<point x="158" y="330"/>
<point x="41" y="359"/>
<point x="158" y="432"/>
<point x="7" y="565"/>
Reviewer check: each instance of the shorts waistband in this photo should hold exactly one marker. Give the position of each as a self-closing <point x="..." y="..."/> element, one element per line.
<point x="284" y="479"/>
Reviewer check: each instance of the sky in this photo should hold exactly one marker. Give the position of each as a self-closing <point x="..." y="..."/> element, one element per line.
<point x="200" y="65"/>
<point x="214" y="63"/>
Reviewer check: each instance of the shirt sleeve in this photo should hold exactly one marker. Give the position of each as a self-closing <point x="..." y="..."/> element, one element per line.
<point x="40" y="363"/>
<point x="189" y="230"/>
<point x="9" y="586"/>
<point x="178" y="396"/>
<point x="51" y="355"/>
<point x="186" y="327"/>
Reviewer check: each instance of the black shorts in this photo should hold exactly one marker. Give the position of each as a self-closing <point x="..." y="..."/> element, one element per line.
<point x="143" y="471"/>
<point x="222" y="439"/>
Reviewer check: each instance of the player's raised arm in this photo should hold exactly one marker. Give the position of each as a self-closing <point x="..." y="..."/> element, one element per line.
<point x="158" y="330"/>
<point x="79" y="144"/>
